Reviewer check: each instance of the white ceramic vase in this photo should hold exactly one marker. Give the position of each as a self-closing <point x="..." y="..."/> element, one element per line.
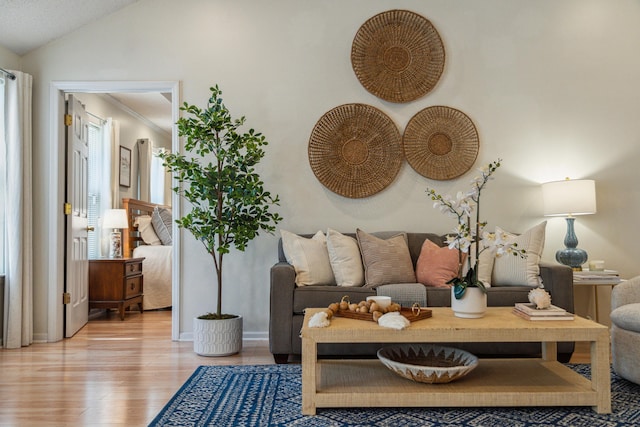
<point x="472" y="305"/>
<point x="217" y="337"/>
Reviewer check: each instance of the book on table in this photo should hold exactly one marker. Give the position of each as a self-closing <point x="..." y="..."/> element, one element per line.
<point x="596" y="276"/>
<point x="531" y="310"/>
<point x="565" y="316"/>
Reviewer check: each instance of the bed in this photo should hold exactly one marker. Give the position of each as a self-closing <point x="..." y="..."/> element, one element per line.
<point x="156" y="267"/>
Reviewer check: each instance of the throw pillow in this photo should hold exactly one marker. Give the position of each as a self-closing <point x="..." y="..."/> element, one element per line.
<point x="161" y="221"/>
<point x="346" y="262"/>
<point x="518" y="271"/>
<point x="385" y="261"/>
<point x="309" y="258"/>
<point x="437" y="265"/>
<point x="149" y="236"/>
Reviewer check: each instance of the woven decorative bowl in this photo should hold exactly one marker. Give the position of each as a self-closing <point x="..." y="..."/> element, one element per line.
<point x="441" y="143"/>
<point x="398" y="55"/>
<point x="355" y="150"/>
<point x="428" y="363"/>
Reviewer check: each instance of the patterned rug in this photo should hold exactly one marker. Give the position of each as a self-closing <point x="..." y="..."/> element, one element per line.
<point x="270" y="395"/>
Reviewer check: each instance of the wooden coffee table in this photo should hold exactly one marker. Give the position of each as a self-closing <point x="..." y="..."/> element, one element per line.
<point x="495" y="382"/>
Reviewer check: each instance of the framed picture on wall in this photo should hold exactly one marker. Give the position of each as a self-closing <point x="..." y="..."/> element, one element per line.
<point x="125" y="167"/>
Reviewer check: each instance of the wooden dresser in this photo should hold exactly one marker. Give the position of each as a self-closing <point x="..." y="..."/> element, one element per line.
<point x="115" y="283"/>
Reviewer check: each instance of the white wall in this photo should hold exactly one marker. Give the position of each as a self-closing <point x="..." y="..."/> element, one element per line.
<point x="131" y="129"/>
<point x="551" y="86"/>
<point x="8" y="59"/>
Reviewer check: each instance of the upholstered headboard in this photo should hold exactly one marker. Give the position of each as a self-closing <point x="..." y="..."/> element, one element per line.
<point x="131" y="236"/>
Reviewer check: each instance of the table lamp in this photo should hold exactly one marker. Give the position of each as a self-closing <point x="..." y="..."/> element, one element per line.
<point x="569" y="198"/>
<point x="115" y="219"/>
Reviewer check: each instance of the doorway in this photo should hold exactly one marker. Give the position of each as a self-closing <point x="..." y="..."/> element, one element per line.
<point x="58" y="90"/>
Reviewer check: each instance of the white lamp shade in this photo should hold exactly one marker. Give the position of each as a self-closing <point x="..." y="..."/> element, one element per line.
<point x="115" y="218"/>
<point x="569" y="197"/>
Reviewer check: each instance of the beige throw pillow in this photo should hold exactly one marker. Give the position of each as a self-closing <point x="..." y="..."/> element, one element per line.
<point x="346" y="262"/>
<point x="149" y="236"/>
<point x="518" y="271"/>
<point x="385" y="261"/>
<point x="309" y="258"/>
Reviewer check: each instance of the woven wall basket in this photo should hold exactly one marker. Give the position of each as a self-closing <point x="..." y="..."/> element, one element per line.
<point x="398" y="56"/>
<point x="440" y="143"/>
<point x="355" y="150"/>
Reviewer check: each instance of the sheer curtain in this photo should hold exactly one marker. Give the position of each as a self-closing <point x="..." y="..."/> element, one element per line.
<point x="144" y="169"/>
<point x="110" y="190"/>
<point x="160" y="179"/>
<point x="18" y="310"/>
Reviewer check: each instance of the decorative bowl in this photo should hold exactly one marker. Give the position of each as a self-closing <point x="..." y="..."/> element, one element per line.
<point x="428" y="363"/>
<point x="382" y="301"/>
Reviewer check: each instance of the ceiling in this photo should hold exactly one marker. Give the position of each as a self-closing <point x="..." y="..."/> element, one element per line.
<point x="26" y="25"/>
<point x="29" y="24"/>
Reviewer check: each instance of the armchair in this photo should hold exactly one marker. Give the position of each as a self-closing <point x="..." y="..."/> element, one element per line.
<point x="625" y="329"/>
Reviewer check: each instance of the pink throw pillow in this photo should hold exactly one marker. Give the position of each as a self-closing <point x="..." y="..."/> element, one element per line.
<point x="437" y="265"/>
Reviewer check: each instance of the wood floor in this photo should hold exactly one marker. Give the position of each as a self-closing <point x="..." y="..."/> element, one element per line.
<point x="111" y="373"/>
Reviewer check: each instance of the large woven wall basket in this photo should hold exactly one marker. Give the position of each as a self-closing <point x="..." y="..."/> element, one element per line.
<point x="398" y="56"/>
<point x="355" y="150"/>
<point x="440" y="143"/>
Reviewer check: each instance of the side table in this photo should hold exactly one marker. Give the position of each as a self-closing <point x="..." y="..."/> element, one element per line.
<point x="595" y="284"/>
<point x="115" y="283"/>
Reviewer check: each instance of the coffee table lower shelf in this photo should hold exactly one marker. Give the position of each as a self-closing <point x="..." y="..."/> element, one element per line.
<point x="495" y="382"/>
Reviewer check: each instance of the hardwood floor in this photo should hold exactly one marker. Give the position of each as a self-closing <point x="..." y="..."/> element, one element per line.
<point x="111" y="373"/>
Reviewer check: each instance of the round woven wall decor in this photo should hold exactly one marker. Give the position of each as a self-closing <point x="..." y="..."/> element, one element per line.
<point x="355" y="150"/>
<point x="440" y="143"/>
<point x="398" y="56"/>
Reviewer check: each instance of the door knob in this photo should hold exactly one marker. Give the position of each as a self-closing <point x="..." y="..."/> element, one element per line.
<point x="90" y="228"/>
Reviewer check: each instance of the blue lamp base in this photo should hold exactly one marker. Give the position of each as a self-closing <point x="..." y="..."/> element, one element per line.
<point x="571" y="255"/>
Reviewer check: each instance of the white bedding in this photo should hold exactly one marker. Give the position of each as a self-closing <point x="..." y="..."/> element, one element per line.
<point x="156" y="271"/>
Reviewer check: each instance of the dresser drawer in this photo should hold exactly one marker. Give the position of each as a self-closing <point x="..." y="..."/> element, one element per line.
<point x="132" y="268"/>
<point x="133" y="287"/>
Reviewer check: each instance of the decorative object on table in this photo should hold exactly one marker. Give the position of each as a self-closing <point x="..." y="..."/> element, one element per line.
<point x="530" y="312"/>
<point x="471" y="305"/>
<point x="125" y="167"/>
<point x="540" y="298"/>
<point x="596" y="265"/>
<point x="596" y="276"/>
<point x="398" y="56"/>
<point x="116" y="219"/>
<point x="355" y="150"/>
<point x="440" y="143"/>
<point x="371" y="310"/>
<point x="229" y="204"/>
<point x="428" y="363"/>
<point x="469" y="235"/>
<point x="569" y="198"/>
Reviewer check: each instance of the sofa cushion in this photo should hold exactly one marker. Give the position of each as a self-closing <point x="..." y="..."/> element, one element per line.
<point x="438" y="265"/>
<point x="309" y="258"/>
<point x="510" y="270"/>
<point x="385" y="260"/>
<point x="627" y="317"/>
<point x="346" y="262"/>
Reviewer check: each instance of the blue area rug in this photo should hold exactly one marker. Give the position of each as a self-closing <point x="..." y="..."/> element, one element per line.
<point x="270" y="395"/>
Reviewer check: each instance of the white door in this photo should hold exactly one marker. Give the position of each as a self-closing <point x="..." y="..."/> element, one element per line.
<point x="77" y="264"/>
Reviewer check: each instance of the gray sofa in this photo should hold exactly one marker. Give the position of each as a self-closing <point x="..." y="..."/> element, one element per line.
<point x="288" y="302"/>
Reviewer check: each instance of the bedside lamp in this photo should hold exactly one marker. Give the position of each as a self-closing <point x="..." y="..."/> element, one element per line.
<point x="569" y="198"/>
<point x="115" y="219"/>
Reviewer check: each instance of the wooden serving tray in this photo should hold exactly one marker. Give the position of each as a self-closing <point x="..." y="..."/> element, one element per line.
<point x="407" y="312"/>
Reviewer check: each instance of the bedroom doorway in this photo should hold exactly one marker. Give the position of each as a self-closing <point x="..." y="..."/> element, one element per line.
<point x="58" y="91"/>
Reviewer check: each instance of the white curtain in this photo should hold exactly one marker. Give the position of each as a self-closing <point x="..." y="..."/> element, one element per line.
<point x="160" y="179"/>
<point x="110" y="190"/>
<point x="18" y="310"/>
<point x="144" y="168"/>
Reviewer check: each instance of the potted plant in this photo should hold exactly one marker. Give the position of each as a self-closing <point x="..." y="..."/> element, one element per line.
<point x="469" y="235"/>
<point x="229" y="205"/>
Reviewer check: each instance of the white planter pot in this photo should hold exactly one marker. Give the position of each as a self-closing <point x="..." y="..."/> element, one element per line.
<point x="217" y="337"/>
<point x="472" y="305"/>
